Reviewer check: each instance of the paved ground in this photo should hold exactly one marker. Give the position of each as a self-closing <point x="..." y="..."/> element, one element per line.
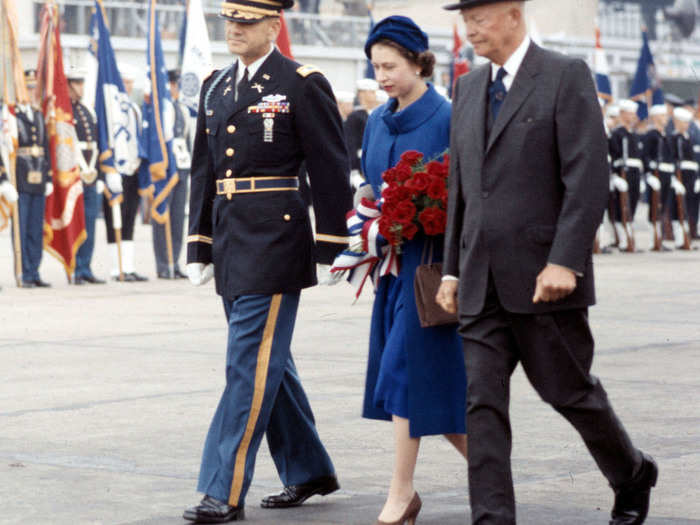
<point x="106" y="393"/>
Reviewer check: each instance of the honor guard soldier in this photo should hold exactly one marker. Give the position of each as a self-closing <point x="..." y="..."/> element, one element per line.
<point x="86" y="130"/>
<point x="355" y="126"/>
<point x="659" y="167"/>
<point x="687" y="167"/>
<point x="125" y="181"/>
<point x="626" y="157"/>
<point x="33" y="183"/>
<point x="183" y="136"/>
<point x="258" y="120"/>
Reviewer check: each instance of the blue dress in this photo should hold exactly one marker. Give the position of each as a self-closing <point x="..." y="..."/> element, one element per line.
<point x="413" y="372"/>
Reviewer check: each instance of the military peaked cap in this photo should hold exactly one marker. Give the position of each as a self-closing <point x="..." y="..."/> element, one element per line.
<point x="252" y="11"/>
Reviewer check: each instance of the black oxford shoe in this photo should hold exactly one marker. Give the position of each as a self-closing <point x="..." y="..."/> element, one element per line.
<point x="632" y="500"/>
<point x="211" y="510"/>
<point x="41" y="284"/>
<point x="93" y="280"/>
<point x="295" y="495"/>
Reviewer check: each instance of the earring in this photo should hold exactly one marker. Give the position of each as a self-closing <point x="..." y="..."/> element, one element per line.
<point x="417" y="73"/>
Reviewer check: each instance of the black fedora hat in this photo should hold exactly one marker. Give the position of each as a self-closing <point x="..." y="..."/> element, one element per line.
<point x="252" y="11"/>
<point x="465" y="4"/>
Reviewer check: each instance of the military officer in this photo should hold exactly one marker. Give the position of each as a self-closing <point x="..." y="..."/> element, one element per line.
<point x="125" y="181"/>
<point x="685" y="163"/>
<point x="33" y="183"/>
<point x="183" y="136"/>
<point x="86" y="129"/>
<point x="626" y="157"/>
<point x="658" y="165"/>
<point x="258" y="120"/>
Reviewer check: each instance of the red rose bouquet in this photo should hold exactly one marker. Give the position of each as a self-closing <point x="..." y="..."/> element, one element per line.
<point x="414" y="198"/>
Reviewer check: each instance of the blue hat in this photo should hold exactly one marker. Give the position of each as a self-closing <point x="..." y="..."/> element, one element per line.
<point x="399" y="29"/>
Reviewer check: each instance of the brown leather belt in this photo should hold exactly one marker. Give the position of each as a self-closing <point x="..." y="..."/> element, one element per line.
<point x="232" y="186"/>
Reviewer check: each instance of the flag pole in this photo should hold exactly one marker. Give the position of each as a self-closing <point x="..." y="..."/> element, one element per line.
<point x="17" y="244"/>
<point x="169" y="244"/>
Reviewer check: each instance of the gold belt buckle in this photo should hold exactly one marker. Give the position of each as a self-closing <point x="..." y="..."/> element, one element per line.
<point x="34" y="177"/>
<point x="89" y="177"/>
<point x="35" y="151"/>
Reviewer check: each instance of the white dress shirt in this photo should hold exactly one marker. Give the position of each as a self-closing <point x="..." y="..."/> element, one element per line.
<point x="252" y="68"/>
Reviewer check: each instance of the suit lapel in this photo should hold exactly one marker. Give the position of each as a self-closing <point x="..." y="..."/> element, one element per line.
<point x="522" y="86"/>
<point x="475" y="102"/>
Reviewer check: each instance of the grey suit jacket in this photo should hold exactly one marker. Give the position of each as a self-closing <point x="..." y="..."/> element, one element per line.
<point x="533" y="191"/>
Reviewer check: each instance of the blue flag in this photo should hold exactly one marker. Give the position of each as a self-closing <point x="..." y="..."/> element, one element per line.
<point x="157" y="175"/>
<point x="646" y="82"/>
<point x="183" y="35"/>
<point x="601" y="70"/>
<point x="114" y="136"/>
<point x="369" y="70"/>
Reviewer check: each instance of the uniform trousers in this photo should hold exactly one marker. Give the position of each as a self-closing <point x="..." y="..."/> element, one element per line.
<point x="84" y="256"/>
<point x="263" y="395"/>
<point x="556" y="352"/>
<point x="31" y="232"/>
<point x="129" y="208"/>
<point x="176" y="206"/>
<point x="691" y="198"/>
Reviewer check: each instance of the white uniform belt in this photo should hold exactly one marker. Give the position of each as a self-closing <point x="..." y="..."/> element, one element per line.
<point x="91" y="145"/>
<point x="690" y="165"/>
<point x="631" y="163"/>
<point x="666" y="167"/>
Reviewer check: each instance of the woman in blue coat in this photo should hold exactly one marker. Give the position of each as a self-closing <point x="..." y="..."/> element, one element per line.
<point x="415" y="376"/>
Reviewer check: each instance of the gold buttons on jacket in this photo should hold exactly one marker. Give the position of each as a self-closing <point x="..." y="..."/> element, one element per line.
<point x="231" y="128"/>
<point x="207" y="131"/>
<point x="229" y="173"/>
<point x="287" y="217"/>
<point x="229" y="152"/>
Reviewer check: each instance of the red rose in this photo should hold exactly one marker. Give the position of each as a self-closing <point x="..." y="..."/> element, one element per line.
<point x="433" y="221"/>
<point x="436" y="169"/>
<point x="389" y="176"/>
<point x="403" y="171"/>
<point x="419" y="182"/>
<point x="412" y="157"/>
<point x="409" y="231"/>
<point x="436" y="188"/>
<point x="404" y="212"/>
<point x="396" y="194"/>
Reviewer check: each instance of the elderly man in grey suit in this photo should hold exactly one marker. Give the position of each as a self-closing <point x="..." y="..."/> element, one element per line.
<point x="528" y="185"/>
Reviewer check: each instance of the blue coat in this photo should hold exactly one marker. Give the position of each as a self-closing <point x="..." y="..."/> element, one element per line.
<point x="412" y="372"/>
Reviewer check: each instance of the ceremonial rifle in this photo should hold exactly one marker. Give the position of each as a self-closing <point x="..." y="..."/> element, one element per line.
<point x="625" y="198"/>
<point x="680" y="199"/>
<point x="655" y="198"/>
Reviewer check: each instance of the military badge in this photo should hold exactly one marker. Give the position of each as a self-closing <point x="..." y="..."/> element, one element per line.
<point x="269" y="107"/>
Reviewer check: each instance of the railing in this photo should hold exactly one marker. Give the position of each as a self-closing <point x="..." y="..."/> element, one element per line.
<point x="625" y="21"/>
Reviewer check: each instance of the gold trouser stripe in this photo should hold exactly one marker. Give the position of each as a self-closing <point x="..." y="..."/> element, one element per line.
<point x="331" y="238"/>
<point x="258" y="394"/>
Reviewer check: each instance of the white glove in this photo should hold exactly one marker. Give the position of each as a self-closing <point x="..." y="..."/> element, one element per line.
<point x="696" y="187"/>
<point x="619" y="184"/>
<point x="200" y="273"/>
<point x="100" y="187"/>
<point x="325" y="277"/>
<point x="677" y="186"/>
<point x="8" y="191"/>
<point x="356" y="179"/>
<point x="49" y="189"/>
<point x="654" y="183"/>
<point x="114" y="182"/>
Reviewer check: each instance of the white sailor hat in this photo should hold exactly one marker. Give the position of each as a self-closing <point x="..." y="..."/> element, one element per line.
<point x="682" y="114"/>
<point x="613" y="111"/>
<point x="367" y="84"/>
<point x="658" y="109"/>
<point x="344" y="96"/>
<point x="127" y="71"/>
<point x="628" y="105"/>
<point x="75" y="73"/>
<point x="382" y="96"/>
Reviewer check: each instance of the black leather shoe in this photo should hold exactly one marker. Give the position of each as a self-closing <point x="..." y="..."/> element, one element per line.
<point x="134" y="277"/>
<point x="211" y="510"/>
<point x="93" y="280"/>
<point x="164" y="275"/>
<point x="78" y="281"/>
<point x="28" y="284"/>
<point x="295" y="495"/>
<point x="632" y="499"/>
<point x="41" y="284"/>
<point x="179" y="274"/>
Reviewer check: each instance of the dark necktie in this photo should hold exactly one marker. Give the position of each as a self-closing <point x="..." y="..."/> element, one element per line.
<point x="242" y="84"/>
<point x="497" y="92"/>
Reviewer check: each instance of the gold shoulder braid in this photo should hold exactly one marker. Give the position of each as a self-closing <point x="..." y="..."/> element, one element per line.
<point x="305" y="71"/>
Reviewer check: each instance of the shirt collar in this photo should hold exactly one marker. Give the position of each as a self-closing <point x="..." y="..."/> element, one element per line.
<point x="513" y="63"/>
<point x="252" y="68"/>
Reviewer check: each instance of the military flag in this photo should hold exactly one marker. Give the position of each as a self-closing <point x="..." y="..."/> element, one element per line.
<point x="646" y="85"/>
<point x="283" y="42"/>
<point x="157" y="174"/>
<point x="601" y="69"/>
<point x="196" y="59"/>
<point x="460" y="62"/>
<point x="64" y="227"/>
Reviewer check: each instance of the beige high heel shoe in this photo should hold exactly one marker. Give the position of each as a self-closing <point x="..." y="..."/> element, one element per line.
<point x="410" y="514"/>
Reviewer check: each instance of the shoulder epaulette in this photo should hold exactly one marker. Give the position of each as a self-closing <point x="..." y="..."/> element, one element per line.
<point x="305" y="71"/>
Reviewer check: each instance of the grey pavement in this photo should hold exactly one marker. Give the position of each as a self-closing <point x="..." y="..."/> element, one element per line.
<point x="106" y="393"/>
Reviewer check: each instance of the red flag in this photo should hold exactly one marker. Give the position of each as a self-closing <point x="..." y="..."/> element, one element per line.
<point x="460" y="63"/>
<point x="64" y="226"/>
<point x="283" y="42"/>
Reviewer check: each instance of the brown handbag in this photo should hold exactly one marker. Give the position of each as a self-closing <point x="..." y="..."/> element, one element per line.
<point x="425" y="285"/>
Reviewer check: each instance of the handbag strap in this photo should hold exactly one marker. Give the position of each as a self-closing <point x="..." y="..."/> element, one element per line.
<point x="427" y="246"/>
